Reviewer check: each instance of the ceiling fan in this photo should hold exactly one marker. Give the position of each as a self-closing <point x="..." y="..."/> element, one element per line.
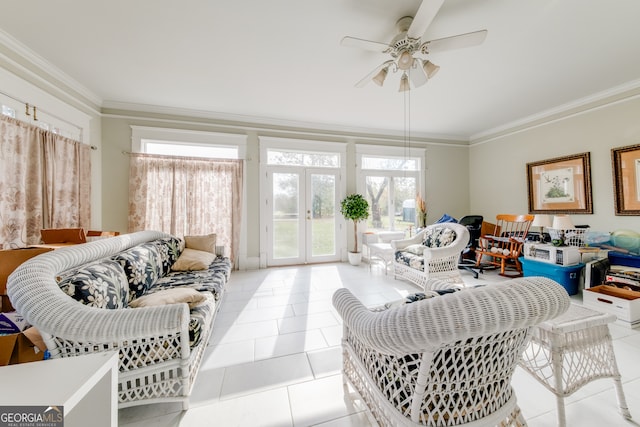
<point x="407" y="45"/>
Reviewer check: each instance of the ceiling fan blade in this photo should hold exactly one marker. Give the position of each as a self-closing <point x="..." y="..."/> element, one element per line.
<point x="454" y="42"/>
<point x="364" y="44"/>
<point x="416" y="73"/>
<point x="425" y="14"/>
<point x="366" y="79"/>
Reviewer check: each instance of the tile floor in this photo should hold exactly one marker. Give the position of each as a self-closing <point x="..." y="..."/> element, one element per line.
<point x="274" y="358"/>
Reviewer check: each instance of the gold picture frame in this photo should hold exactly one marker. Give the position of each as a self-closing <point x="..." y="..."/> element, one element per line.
<point x="626" y="179"/>
<point x="560" y="185"/>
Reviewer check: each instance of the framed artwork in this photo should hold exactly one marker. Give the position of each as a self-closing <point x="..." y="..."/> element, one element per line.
<point x="626" y="179"/>
<point x="560" y="185"/>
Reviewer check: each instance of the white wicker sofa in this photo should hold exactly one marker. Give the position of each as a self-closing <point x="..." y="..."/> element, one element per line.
<point x="446" y="360"/>
<point x="80" y="299"/>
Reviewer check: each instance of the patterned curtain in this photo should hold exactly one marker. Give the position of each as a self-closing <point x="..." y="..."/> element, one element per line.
<point x="186" y="196"/>
<point x="45" y="182"/>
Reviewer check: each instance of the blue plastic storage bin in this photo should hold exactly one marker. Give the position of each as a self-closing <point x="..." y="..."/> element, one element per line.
<point x="568" y="277"/>
<point x="617" y="258"/>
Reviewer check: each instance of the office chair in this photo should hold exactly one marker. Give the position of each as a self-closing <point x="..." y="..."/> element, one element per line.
<point x="468" y="255"/>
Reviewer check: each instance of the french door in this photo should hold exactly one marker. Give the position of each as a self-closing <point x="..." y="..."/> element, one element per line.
<point x="303" y="215"/>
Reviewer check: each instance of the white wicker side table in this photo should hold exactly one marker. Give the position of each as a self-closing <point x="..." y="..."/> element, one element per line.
<point x="382" y="252"/>
<point x="572" y="350"/>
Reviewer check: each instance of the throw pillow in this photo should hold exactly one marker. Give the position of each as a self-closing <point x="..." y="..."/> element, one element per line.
<point x="417" y="249"/>
<point x="446" y="218"/>
<point x="169" y="296"/>
<point x="191" y="259"/>
<point x="438" y="237"/>
<point x="101" y="284"/>
<point x="205" y="243"/>
<point x="419" y="296"/>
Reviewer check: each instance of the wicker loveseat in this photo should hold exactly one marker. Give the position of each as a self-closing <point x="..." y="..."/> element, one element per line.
<point x="80" y="298"/>
<point x="433" y="253"/>
<point x="446" y="360"/>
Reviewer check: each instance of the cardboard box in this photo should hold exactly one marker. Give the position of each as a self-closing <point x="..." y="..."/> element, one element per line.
<point x="10" y="259"/>
<point x="625" y="304"/>
<point x="21" y="347"/>
<point x="12" y="323"/>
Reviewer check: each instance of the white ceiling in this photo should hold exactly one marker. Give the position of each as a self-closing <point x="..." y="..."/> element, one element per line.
<point x="282" y="59"/>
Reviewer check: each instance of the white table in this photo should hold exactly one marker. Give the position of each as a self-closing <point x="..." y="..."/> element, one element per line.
<point x="572" y="350"/>
<point x="86" y="387"/>
<point x="379" y="247"/>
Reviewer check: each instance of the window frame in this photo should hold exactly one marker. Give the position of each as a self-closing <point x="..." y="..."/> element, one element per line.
<point x="187" y="137"/>
<point x="363" y="150"/>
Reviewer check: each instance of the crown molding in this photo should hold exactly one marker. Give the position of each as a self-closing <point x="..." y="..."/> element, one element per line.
<point x="24" y="62"/>
<point x="595" y="101"/>
<point x="268" y="124"/>
<point x="37" y="70"/>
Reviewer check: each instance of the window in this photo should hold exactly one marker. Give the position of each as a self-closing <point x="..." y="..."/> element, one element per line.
<point x="187" y="182"/>
<point x="8" y="111"/>
<point x="390" y="178"/>
<point x="187" y="143"/>
<point x="299" y="158"/>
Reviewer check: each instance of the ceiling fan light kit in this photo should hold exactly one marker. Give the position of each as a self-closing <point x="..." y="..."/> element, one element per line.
<point x="430" y="68"/>
<point x="379" y="78"/>
<point x="405" y="60"/>
<point x="404" y="83"/>
<point x="407" y="43"/>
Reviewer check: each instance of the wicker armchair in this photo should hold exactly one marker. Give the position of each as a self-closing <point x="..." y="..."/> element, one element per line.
<point x="448" y="360"/>
<point x="433" y="253"/>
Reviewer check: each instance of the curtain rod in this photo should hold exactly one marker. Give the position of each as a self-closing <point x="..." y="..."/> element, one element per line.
<point x="93" y="147"/>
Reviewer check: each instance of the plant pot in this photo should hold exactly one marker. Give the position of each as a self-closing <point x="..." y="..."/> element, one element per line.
<point x="355" y="258"/>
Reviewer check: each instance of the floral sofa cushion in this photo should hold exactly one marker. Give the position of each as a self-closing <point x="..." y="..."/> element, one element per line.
<point x="200" y="314"/>
<point x="212" y="279"/>
<point x="169" y="250"/>
<point x="434" y="237"/>
<point x="143" y="266"/>
<point x="437" y="237"/>
<point x="101" y="284"/>
<point x="410" y="259"/>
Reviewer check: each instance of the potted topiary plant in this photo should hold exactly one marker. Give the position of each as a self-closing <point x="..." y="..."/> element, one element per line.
<point x="356" y="208"/>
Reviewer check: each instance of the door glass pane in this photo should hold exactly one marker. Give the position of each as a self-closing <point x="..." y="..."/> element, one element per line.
<point x="323" y="221"/>
<point x="286" y="217"/>
<point x="404" y="202"/>
<point x="391" y="202"/>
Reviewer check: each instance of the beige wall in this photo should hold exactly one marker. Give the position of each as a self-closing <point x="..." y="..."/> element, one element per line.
<point x="447" y="174"/>
<point x="447" y="181"/>
<point x="498" y="179"/>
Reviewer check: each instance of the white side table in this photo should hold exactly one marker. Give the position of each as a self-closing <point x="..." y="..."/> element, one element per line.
<point x="379" y="247"/>
<point x="381" y="252"/>
<point x="86" y="387"/>
<point x="572" y="350"/>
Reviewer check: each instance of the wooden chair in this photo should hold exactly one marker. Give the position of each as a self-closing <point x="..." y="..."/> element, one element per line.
<point x="504" y="244"/>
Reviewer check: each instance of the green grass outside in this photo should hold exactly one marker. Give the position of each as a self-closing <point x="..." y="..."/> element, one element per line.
<point x="285" y="236"/>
